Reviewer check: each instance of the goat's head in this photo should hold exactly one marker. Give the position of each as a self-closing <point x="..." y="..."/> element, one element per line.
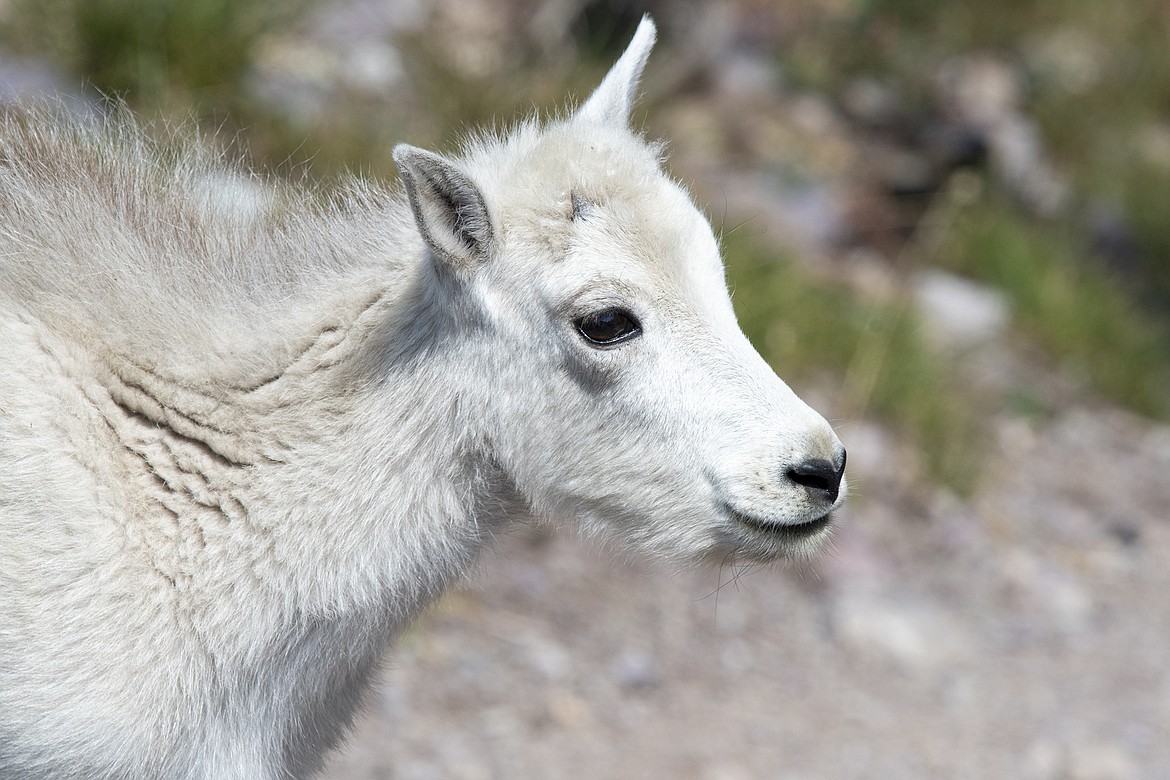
<point x="609" y="376"/>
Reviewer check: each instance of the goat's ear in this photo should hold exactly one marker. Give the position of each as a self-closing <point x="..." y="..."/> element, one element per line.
<point x="448" y="206"/>
<point x="611" y="102"/>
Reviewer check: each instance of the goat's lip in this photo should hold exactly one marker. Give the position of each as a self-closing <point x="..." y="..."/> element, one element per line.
<point x="790" y="532"/>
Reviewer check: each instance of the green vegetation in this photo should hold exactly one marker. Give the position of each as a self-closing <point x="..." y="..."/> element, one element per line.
<point x="1096" y="79"/>
<point x="1065" y="302"/>
<point x="160" y="53"/>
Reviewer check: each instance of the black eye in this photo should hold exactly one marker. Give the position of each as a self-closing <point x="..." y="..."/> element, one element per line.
<point x="608" y="327"/>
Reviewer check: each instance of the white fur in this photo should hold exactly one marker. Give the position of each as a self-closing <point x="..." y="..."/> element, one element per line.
<point x="244" y="440"/>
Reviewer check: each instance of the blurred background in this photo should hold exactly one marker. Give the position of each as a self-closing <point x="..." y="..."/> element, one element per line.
<point x="945" y="226"/>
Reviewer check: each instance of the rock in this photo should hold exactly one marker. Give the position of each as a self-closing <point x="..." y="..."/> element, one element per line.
<point x="1018" y="155"/>
<point x="373" y="66"/>
<point x="958" y="312"/>
<point x="339" y="46"/>
<point x="636" y="670"/>
<point x="980" y="89"/>
<point x="1066" y="59"/>
<point x="1100" y="761"/>
<point x="568" y="710"/>
<point x="1049" y="760"/>
<point x="501" y="722"/>
<point x="808" y="216"/>
<point x="550" y="659"/>
<point x="914" y="636"/>
<point x="871" y="276"/>
<point x="747" y="77"/>
<point x="292" y="75"/>
<point x="872" y="103"/>
<point x="1042" y="761"/>
<point x="341" y="23"/>
<point x="814" y="114"/>
<point x="28" y="78"/>
<point x="1046" y="591"/>
<point x="726" y="770"/>
<point x="984" y="93"/>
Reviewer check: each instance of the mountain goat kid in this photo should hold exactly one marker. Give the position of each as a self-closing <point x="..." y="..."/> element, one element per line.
<point x="243" y="443"/>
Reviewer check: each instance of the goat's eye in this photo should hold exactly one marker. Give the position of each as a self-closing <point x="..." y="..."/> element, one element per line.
<point x="608" y="327"/>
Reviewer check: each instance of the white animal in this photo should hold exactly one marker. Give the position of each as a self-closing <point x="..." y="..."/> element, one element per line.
<point x="243" y="442"/>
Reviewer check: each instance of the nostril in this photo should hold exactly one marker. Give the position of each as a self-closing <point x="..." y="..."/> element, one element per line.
<point x="813" y="474"/>
<point x="818" y="476"/>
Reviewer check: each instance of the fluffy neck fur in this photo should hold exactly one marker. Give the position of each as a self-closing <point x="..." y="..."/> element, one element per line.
<point x="209" y="401"/>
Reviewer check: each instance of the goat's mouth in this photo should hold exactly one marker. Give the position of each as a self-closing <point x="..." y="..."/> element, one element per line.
<point x="790" y="533"/>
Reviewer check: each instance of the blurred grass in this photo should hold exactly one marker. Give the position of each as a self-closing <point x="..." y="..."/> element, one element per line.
<point x="1095" y="78"/>
<point x="1065" y="302"/>
<point x="178" y="61"/>
<point x="167" y="54"/>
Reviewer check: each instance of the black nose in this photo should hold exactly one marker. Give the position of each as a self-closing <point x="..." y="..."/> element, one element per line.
<point x="820" y="477"/>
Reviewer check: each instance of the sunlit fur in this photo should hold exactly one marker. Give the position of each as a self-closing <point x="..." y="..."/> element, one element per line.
<point x="247" y="434"/>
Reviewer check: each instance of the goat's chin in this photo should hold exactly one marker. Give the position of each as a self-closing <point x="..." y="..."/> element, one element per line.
<point x="746" y="538"/>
